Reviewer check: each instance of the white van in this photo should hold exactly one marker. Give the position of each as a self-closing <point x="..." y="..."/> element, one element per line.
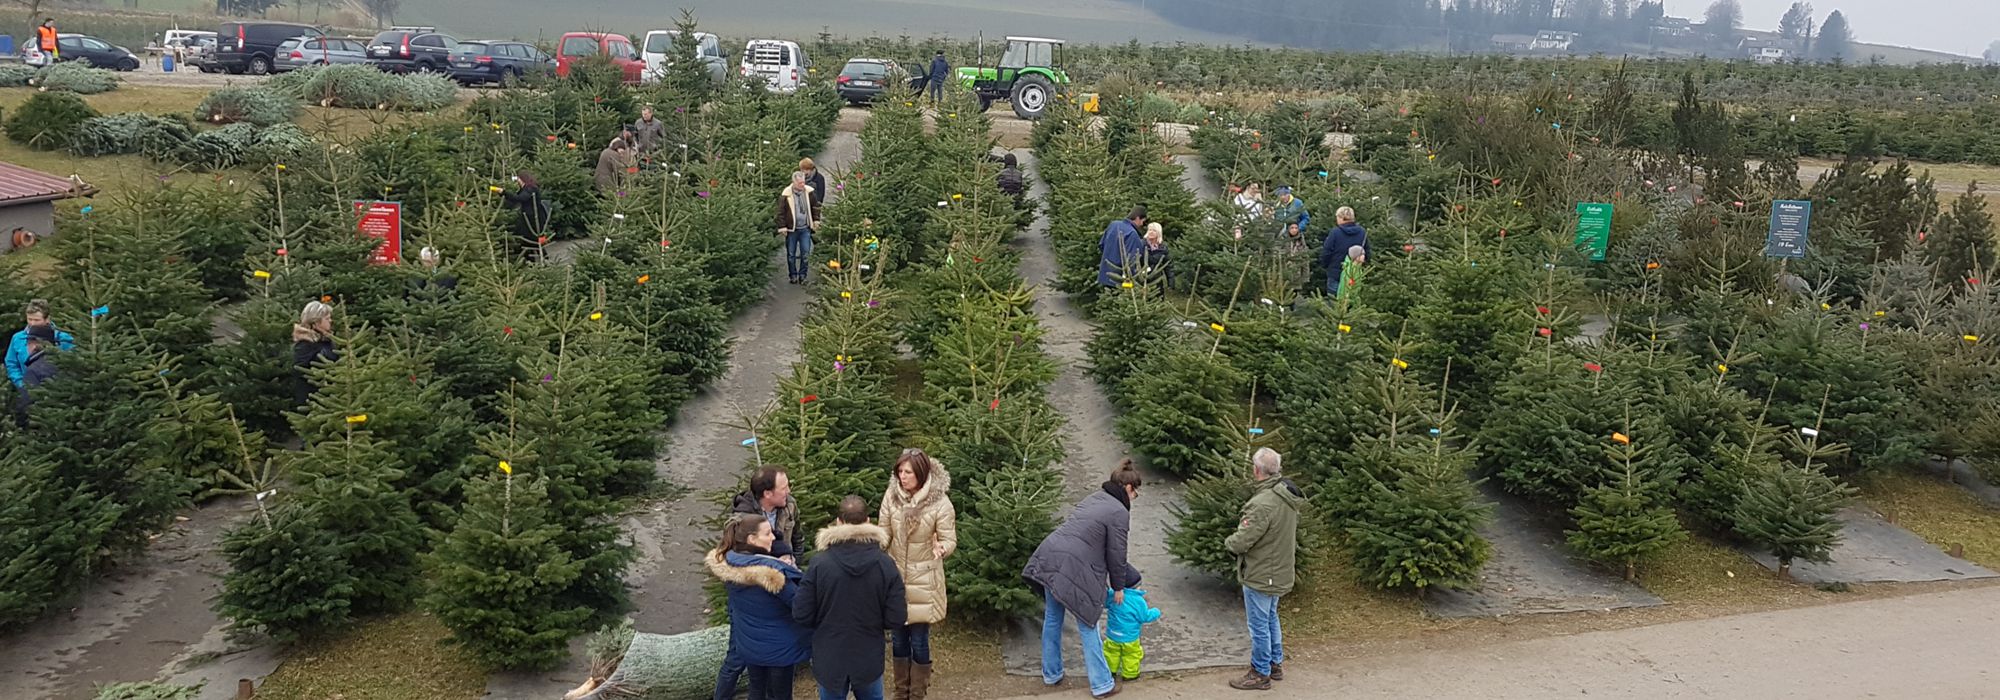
<point x="782" y="64"/>
<point x="660" y="42"/>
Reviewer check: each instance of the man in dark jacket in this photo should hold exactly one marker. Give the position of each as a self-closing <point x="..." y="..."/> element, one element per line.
<point x="1075" y="565"/>
<point x="646" y="132"/>
<point x="798" y="217"/>
<point x="1266" y="546"/>
<point x="940" y="72"/>
<point x="1010" y="180"/>
<point x="38" y="368"/>
<point x="1121" y="251"/>
<point x="814" y="179"/>
<point x="1333" y="253"/>
<point x="852" y="594"/>
<point x="770" y="498"/>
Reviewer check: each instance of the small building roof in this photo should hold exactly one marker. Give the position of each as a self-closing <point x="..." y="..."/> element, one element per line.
<point x="19" y="185"/>
<point x="1034" y="40"/>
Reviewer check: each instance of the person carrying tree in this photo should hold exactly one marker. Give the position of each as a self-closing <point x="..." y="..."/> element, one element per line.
<point x="1121" y="251"/>
<point x="37" y="369"/>
<point x="923" y="530"/>
<point x="36" y="314"/>
<point x="1266" y="547"/>
<point x="1346" y="235"/>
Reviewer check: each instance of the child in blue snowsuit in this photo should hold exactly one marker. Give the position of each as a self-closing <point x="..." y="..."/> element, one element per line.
<point x="1121" y="631"/>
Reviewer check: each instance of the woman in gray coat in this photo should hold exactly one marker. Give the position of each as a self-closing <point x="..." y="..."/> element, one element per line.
<point x="1076" y="565"/>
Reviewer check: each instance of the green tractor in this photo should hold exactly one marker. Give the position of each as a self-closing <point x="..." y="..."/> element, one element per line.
<point x="1028" y="77"/>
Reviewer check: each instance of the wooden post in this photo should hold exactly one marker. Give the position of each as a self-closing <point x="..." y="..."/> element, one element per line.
<point x="245" y="689"/>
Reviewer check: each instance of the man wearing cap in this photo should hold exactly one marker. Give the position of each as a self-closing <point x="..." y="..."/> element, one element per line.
<point x="1290" y="212"/>
<point x="37" y="368"/>
<point x="36" y="313"/>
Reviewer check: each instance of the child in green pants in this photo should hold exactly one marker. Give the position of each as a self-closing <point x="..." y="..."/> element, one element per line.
<point x="1121" y="631"/>
<point x="1351" y="272"/>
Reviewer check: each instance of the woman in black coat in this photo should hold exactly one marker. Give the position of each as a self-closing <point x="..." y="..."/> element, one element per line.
<point x="533" y="223"/>
<point x="312" y="343"/>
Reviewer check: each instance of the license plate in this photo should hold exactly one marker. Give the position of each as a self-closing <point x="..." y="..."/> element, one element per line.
<point x="865" y="83"/>
<point x="379" y="52"/>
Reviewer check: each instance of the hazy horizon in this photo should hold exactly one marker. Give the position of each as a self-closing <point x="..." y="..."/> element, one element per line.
<point x="1963" y="27"/>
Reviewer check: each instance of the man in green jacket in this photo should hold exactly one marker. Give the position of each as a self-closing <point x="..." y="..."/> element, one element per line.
<point x="1266" y="547"/>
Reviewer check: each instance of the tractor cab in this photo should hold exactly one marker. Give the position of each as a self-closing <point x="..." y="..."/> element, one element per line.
<point x="1028" y="76"/>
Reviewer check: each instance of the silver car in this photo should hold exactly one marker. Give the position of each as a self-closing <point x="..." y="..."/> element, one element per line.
<point x="319" y="51"/>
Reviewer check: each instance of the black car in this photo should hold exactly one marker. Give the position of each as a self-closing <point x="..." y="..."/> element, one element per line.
<point x="498" y="61"/>
<point x="863" y="79"/>
<point x="412" y="51"/>
<point x="250" y="47"/>
<point x="94" y="52"/>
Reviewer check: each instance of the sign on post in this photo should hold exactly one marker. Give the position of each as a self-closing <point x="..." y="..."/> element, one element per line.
<point x="1593" y="229"/>
<point x="383" y="220"/>
<point x="1790" y="220"/>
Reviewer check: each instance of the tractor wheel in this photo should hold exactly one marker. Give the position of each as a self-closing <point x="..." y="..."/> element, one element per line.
<point x="985" y="103"/>
<point x="1031" y="96"/>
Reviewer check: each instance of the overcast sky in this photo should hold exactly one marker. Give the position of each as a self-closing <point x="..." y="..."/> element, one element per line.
<point x="1958" y="26"/>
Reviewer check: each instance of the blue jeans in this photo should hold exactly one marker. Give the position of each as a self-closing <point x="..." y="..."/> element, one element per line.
<point x="1267" y="638"/>
<point x="911" y="642"/>
<point x="1094" y="664"/>
<point x="798" y="252"/>
<point x="937" y="89"/>
<point x="871" y="691"/>
<point x="732" y="669"/>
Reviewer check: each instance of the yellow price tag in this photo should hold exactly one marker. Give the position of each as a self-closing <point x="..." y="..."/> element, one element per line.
<point x="506" y="468"/>
<point x="1621" y="438"/>
<point x="1722" y="368"/>
<point x="260" y="274"/>
<point x="1127" y="285"/>
<point x="597" y="316"/>
<point x="358" y="418"/>
<point x="1217" y="327"/>
<point x="1971" y="338"/>
<point x="493" y="188"/>
<point x="1344" y="328"/>
<point x="1399" y="363"/>
<point x="1881" y="313"/>
<point x="847" y="295"/>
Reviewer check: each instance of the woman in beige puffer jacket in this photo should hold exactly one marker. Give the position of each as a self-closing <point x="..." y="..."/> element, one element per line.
<point x="923" y="531"/>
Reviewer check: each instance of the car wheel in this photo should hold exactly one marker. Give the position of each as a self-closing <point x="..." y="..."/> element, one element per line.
<point x="260" y="65"/>
<point x="1031" y="96"/>
<point x="129" y="64"/>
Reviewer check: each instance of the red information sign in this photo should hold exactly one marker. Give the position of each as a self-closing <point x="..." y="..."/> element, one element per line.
<point x="383" y="220"/>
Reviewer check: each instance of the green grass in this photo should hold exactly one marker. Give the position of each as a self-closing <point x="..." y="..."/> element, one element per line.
<point x="1942" y="513"/>
<point x="401" y="657"/>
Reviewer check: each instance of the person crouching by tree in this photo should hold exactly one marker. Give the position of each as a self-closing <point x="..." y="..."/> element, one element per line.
<point x="532" y="226"/>
<point x="612" y="164"/>
<point x="851" y="594"/>
<point x="923" y="530"/>
<point x="798" y="217"/>
<point x="1346" y="234"/>
<point x="36" y="370"/>
<point x="312" y="343"/>
<point x="1072" y="568"/>
<point x="1266" y="546"/>
<point x="1010" y="181"/>
<point x="761" y="589"/>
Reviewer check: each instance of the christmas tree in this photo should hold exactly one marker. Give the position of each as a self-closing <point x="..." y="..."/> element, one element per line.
<point x="1625" y="518"/>
<point x="1013" y="510"/>
<point x="1813" y="353"/>
<point x="289" y="576"/>
<point x="1960" y="246"/>
<point x="1792" y="511"/>
<point x="1177" y="406"/>
<point x="1411" y="514"/>
<point x="347" y="482"/>
<point x="498" y="578"/>
<point x="51" y="534"/>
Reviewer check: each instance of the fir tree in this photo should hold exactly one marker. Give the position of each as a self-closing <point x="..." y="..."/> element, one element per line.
<point x="1177" y="405"/>
<point x="288" y="576"/>
<point x="1410" y="512"/>
<point x="1014" y="508"/>
<point x="1960" y="246"/>
<point x="1624" y="519"/>
<point x="50" y="535"/>
<point x="347" y="484"/>
<point x="498" y="578"/>
<point x="1792" y="511"/>
<point x="1811" y="352"/>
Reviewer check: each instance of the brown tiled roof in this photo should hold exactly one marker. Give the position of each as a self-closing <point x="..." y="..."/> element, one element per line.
<point x="20" y="185"/>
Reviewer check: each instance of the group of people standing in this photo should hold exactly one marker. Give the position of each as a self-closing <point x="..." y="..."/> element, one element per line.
<point x="888" y="575"/>
<point x="865" y="578"/>
<point x="1127" y="256"/>
<point x="633" y="147"/>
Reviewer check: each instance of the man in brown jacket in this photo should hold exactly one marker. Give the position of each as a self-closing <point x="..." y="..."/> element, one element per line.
<point x="612" y="164"/>
<point x="798" y="217"/>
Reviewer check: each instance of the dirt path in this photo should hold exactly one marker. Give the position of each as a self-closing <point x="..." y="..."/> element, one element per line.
<point x="1202" y="625"/>
<point x="704" y="455"/>
<point x="1926" y="646"/>
<point x="140" y="620"/>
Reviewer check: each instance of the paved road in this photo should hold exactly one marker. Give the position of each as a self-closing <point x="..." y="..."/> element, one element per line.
<point x="1935" y="646"/>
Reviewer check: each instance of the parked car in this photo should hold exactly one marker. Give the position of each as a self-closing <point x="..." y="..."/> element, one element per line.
<point x="498" y="61"/>
<point x="183" y="39"/>
<point x="576" y="46"/>
<point x="781" y="64"/>
<point x="659" y="44"/>
<point x="252" y="47"/>
<point x="320" y="51"/>
<point x="197" y="52"/>
<point x="94" y="52"/>
<point x="412" y="50"/>
<point x="864" y="79"/>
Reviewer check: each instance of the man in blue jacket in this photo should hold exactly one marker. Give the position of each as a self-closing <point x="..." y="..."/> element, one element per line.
<point x="1122" y="251"/>
<point x="940" y="72"/>
<point x="1333" y="253"/>
<point x="37" y="314"/>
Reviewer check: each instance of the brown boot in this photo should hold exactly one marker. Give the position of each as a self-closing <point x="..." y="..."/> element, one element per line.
<point x="920" y="681"/>
<point x="1252" y="680"/>
<point x="1277" y="672"/>
<point x="901" y="689"/>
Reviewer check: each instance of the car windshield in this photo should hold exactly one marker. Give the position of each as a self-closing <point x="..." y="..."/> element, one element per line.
<point x="389" y="38"/>
<point x="289" y="44"/>
<point x="579" y="46"/>
<point x="659" y="43"/>
<point x="470" y="49"/>
<point x="869" y="69"/>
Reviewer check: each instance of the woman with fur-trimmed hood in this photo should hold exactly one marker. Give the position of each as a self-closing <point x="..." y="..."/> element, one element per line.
<point x="761" y="589"/>
<point x="923" y="530"/>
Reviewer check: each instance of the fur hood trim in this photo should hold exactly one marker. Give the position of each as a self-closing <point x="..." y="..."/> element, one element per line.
<point x="839" y="534"/>
<point x="763" y="577"/>
<point x="786" y="191"/>
<point x="910" y="505"/>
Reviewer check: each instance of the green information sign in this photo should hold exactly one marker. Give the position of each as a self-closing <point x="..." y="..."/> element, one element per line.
<point x="1593" y="229"/>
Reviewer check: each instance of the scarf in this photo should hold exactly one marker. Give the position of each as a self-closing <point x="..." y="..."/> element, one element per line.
<point x="1118" y="492"/>
<point x="801" y="208"/>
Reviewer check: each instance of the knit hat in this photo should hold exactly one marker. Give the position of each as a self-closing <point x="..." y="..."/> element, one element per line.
<point x="1282" y="189"/>
<point x="45" y="333"/>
